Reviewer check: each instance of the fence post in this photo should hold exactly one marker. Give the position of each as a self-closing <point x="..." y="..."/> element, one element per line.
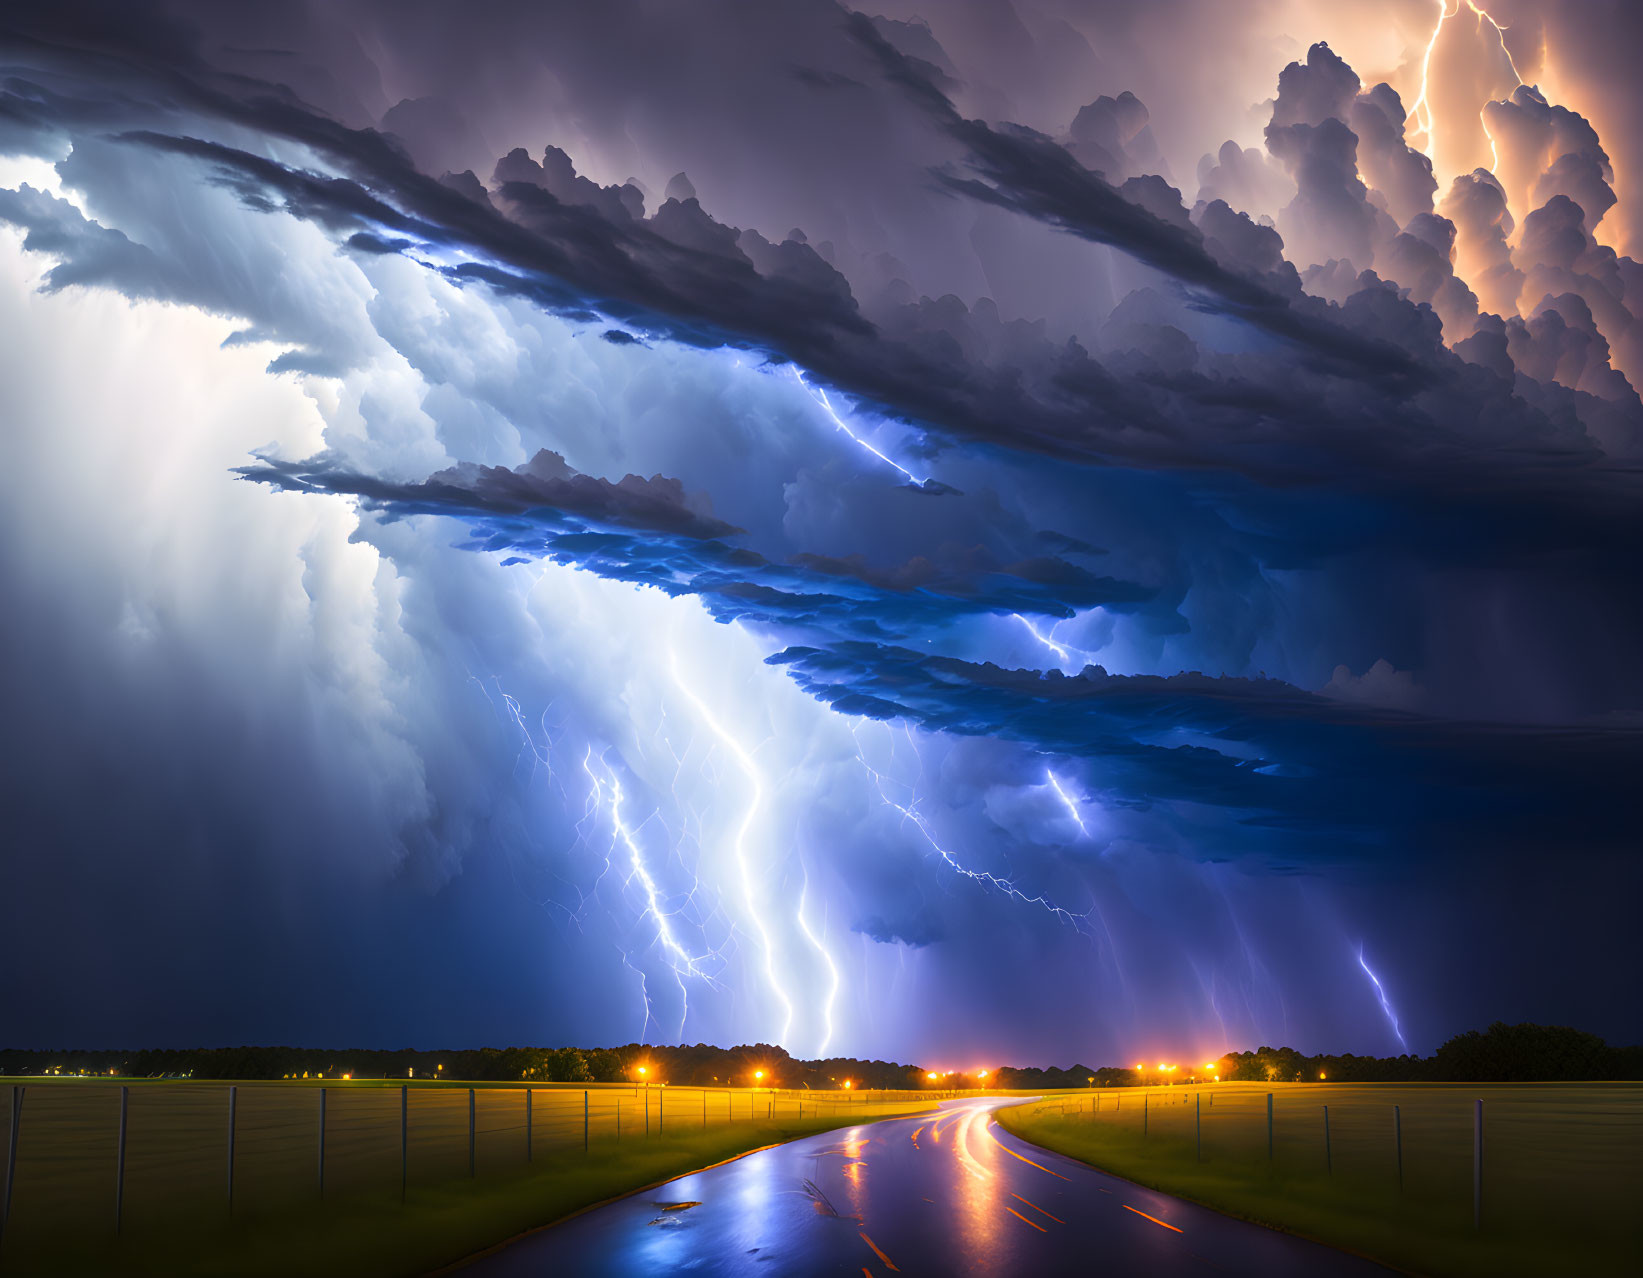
<point x="1397" y="1139"/>
<point x="1198" y="1123"/>
<point x="11" y="1154"/>
<point x="404" y="1138"/>
<point x="471" y="1164"/>
<point x="1145" y="1108"/>
<point x="530" y="1153"/>
<point x="584" y="1118"/>
<point x="1329" y="1158"/>
<point x="233" y="1106"/>
<point x="322" y="1142"/>
<point x="119" y="1163"/>
<point x="1477" y="1164"/>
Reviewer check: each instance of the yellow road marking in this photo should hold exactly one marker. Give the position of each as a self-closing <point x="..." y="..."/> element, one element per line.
<point x="1024" y="1220"/>
<point x="1036" y="1207"/>
<point x="879" y="1253"/>
<point x="1154" y="1219"/>
<point x="915" y="1137"/>
<point x="1023" y="1157"/>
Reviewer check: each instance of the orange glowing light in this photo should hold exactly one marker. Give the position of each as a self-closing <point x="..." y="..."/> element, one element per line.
<point x="758" y="1073"/>
<point x="931" y="1076"/>
<point x="847" y="1083"/>
<point x="642" y="1069"/>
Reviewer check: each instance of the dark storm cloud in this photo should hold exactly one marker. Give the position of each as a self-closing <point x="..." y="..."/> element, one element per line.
<point x="545" y="510"/>
<point x="1272" y="753"/>
<point x="1278" y="477"/>
<point x="1056" y="399"/>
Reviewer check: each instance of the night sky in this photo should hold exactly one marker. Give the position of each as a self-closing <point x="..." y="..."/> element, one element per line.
<point x="960" y="531"/>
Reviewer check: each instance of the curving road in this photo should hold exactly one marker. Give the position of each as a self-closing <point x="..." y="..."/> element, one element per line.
<point x="943" y="1193"/>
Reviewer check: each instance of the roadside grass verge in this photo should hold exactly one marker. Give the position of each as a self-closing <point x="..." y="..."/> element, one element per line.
<point x="1562" y="1171"/>
<point x="371" y="1233"/>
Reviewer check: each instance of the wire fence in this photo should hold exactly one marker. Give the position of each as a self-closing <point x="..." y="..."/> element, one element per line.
<point x="1507" y="1158"/>
<point x="110" y="1157"/>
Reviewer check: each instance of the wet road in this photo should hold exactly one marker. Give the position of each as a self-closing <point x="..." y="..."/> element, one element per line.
<point x="935" y="1194"/>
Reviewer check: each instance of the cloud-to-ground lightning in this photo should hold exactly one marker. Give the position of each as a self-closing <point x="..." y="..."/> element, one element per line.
<point x="680" y="959"/>
<point x="750" y="897"/>
<point x="818" y="394"/>
<point x="1386" y="1003"/>
<point x="832" y="969"/>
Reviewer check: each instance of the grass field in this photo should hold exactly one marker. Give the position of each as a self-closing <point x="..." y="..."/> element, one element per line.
<point x="175" y="1217"/>
<point x="1562" y="1166"/>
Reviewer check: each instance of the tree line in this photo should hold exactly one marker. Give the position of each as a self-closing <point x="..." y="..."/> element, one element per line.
<point x="700" y="1065"/>
<point x="1502" y="1053"/>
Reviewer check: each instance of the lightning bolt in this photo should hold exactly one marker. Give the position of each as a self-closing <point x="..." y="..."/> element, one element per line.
<point x="832" y="969"/>
<point x="680" y="960"/>
<point x="911" y="814"/>
<point x="820" y="396"/>
<point x="1380" y="993"/>
<point x="1067" y="799"/>
<point x="750" y="900"/>
<point x="1421" y="110"/>
<point x="1071" y="659"/>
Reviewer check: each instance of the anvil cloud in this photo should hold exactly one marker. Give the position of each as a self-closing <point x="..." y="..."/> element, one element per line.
<point x="564" y="523"/>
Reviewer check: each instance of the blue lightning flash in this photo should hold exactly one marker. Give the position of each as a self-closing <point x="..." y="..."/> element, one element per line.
<point x="910" y="814"/>
<point x="820" y="396"/>
<point x="1380" y="993"/>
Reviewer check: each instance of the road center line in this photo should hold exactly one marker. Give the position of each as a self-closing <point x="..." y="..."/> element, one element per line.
<point x="1036" y="1207"/>
<point x="1024" y="1220"/>
<point x="879" y="1254"/>
<point x="1154" y="1219"/>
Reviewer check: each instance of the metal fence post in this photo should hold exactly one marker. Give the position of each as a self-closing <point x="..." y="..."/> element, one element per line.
<point x="471" y="1163"/>
<point x="529" y="1152"/>
<point x="1477" y="1164"/>
<point x="1329" y="1158"/>
<point x="1397" y="1139"/>
<point x="11" y="1154"/>
<point x="584" y="1121"/>
<point x="322" y="1142"/>
<point x="404" y="1138"/>
<point x="1269" y="1127"/>
<point x="119" y="1162"/>
<point x="233" y="1107"/>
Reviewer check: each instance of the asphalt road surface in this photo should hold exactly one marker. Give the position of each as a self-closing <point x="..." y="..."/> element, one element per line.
<point x="936" y="1194"/>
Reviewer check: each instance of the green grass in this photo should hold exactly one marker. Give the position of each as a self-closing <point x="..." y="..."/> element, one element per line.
<point x="175" y="1217"/>
<point x="1563" y="1167"/>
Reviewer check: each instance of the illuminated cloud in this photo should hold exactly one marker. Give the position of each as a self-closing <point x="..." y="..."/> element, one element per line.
<point x="928" y="547"/>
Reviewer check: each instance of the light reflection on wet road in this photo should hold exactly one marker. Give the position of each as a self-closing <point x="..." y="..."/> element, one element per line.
<point x="935" y="1194"/>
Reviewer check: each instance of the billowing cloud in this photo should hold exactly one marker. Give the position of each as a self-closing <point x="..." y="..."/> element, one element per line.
<point x="720" y="534"/>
